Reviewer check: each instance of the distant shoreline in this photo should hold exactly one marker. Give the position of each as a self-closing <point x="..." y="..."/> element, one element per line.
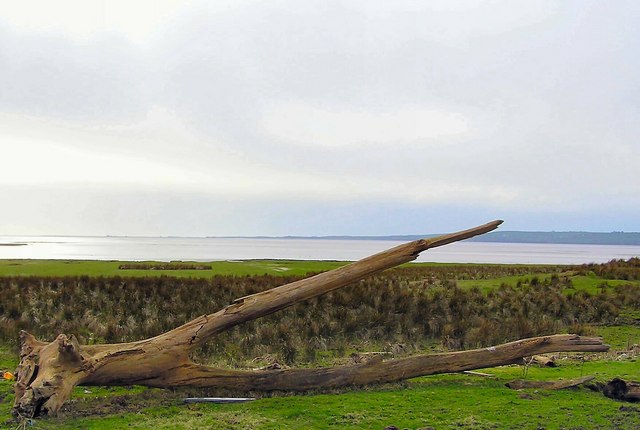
<point x="213" y="249"/>
<point x="532" y="237"/>
<point x="551" y="237"/>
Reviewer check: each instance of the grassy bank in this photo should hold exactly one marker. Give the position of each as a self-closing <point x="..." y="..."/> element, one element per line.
<point x="440" y="402"/>
<point x="60" y="268"/>
<point x="403" y="311"/>
<point x="582" y="277"/>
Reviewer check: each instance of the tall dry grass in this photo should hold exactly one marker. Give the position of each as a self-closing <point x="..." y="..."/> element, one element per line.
<point x="399" y="310"/>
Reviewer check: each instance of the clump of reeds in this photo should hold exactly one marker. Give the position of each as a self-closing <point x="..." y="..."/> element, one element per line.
<point x="164" y="266"/>
<point x="397" y="311"/>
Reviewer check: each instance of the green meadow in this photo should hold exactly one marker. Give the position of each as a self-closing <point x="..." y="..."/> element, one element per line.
<point x="440" y="401"/>
<point x="110" y="268"/>
<point x="589" y="282"/>
<point x="452" y="401"/>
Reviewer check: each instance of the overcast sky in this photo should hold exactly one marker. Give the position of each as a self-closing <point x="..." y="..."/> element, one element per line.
<point x="318" y="118"/>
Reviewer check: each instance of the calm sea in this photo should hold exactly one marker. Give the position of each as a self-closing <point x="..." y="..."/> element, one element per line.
<point x="210" y="249"/>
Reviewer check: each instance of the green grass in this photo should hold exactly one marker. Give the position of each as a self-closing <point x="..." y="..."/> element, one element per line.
<point x="451" y="401"/>
<point x="589" y="283"/>
<point x="229" y="267"/>
<point x="620" y="337"/>
<point x="8" y="362"/>
<point x="442" y="401"/>
<point x="592" y="283"/>
<point x="486" y="285"/>
<point x="110" y="268"/>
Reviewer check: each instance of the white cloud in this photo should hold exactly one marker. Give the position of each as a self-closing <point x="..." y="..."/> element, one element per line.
<point x="162" y="153"/>
<point x="500" y="105"/>
<point x="85" y="19"/>
<point x="28" y="161"/>
<point x="310" y="125"/>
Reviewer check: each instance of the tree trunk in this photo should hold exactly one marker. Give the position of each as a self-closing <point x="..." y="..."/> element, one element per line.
<point x="48" y="372"/>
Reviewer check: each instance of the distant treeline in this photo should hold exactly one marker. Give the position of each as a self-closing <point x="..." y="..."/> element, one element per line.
<point x="566" y="237"/>
<point x="399" y="310"/>
<point x="164" y="266"/>
<point x="560" y="237"/>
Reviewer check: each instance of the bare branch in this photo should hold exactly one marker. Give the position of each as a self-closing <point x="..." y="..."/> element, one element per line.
<point x="258" y="305"/>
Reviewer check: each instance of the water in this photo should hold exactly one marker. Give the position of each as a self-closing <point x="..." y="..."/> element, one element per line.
<point x="211" y="249"/>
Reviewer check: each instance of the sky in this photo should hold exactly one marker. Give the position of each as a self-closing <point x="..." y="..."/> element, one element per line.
<point x="195" y="118"/>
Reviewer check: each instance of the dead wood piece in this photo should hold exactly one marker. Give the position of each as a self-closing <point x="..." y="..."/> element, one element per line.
<point x="218" y="399"/>
<point x="48" y="371"/>
<point x="471" y="372"/>
<point x="519" y="384"/>
<point x="544" y="361"/>
<point x="620" y="389"/>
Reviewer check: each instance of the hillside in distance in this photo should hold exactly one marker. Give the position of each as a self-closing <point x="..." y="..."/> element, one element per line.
<point x="573" y="237"/>
<point x="562" y="237"/>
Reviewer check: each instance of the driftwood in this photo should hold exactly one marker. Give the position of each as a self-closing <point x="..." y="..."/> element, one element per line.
<point x="543" y="361"/>
<point x="48" y="371"/>
<point x="560" y="384"/>
<point x="620" y="389"/>
<point x="218" y="399"/>
<point x="485" y="375"/>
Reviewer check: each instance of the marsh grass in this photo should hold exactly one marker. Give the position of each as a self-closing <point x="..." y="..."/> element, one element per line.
<point x="401" y="311"/>
<point x="441" y="401"/>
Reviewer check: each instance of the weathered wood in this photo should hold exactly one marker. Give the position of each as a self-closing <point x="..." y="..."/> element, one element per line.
<point x="257" y="305"/>
<point x="473" y="373"/>
<point x="48" y="371"/>
<point x="620" y="389"/>
<point x="560" y="384"/>
<point x="544" y="361"/>
<point x="376" y="370"/>
<point x="218" y="399"/>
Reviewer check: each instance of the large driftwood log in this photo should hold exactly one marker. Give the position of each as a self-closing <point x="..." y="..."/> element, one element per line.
<point x="48" y="372"/>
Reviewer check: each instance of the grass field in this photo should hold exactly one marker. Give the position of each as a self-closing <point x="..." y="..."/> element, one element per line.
<point x="110" y="268"/>
<point x="590" y="282"/>
<point x="441" y="401"/>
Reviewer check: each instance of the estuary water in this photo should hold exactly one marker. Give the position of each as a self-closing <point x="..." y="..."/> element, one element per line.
<point x="212" y="249"/>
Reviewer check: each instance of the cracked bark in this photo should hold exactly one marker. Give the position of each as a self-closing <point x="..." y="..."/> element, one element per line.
<point x="48" y="372"/>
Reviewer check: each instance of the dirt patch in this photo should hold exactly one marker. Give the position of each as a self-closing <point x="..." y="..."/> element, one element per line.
<point x="528" y="396"/>
<point x="110" y="405"/>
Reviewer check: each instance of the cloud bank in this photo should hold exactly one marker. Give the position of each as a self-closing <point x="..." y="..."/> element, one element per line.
<point x="203" y="118"/>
